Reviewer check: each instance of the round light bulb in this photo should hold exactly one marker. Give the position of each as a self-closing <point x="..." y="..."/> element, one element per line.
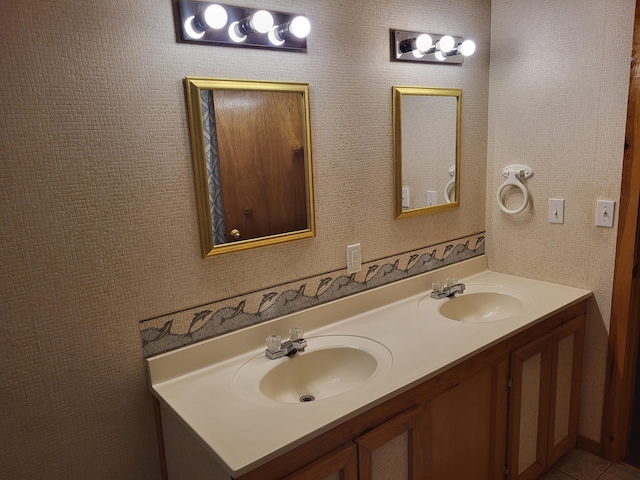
<point x="300" y="27"/>
<point x="190" y="30"/>
<point x="440" y="56"/>
<point x="235" y="34"/>
<point x="466" y="48"/>
<point x="274" y="39"/>
<point x="261" y="21"/>
<point x="423" y="42"/>
<point x="417" y="53"/>
<point x="446" y="43"/>
<point x="215" y="16"/>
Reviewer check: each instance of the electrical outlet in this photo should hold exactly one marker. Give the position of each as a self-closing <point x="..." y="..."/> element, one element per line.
<point x="353" y="258"/>
<point x="604" y="215"/>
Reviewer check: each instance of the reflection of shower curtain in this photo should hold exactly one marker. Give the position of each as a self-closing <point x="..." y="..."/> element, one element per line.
<point x="213" y="166"/>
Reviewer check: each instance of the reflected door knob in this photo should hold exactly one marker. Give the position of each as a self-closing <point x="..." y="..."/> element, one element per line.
<point x="235" y="233"/>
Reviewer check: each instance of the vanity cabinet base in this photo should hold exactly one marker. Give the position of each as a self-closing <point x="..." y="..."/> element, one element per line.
<point x="185" y="457"/>
<point x="508" y="411"/>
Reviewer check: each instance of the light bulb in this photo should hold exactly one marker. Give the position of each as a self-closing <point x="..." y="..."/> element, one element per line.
<point x="300" y="27"/>
<point x="215" y="16"/>
<point x="417" y="53"/>
<point x="466" y="48"/>
<point x="274" y="38"/>
<point x="423" y="43"/>
<point x="446" y="43"/>
<point x="235" y="34"/>
<point x="441" y="56"/>
<point x="190" y="30"/>
<point x="261" y="21"/>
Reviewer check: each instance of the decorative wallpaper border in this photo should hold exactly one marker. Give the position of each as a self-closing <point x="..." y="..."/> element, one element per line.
<point x="169" y="332"/>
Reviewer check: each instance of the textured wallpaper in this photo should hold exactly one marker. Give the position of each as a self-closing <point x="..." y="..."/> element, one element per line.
<point x="561" y="111"/>
<point x="98" y="206"/>
<point x="99" y="222"/>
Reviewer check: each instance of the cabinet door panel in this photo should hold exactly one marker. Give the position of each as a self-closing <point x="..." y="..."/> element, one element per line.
<point x="392" y="450"/>
<point x="391" y="460"/>
<point x="529" y="409"/>
<point x="340" y="464"/>
<point x="568" y="347"/>
<point x="466" y="428"/>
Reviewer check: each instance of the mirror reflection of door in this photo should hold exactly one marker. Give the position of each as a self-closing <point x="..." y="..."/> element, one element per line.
<point x="262" y="162"/>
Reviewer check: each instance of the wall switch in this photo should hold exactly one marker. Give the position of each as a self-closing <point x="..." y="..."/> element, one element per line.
<point x="556" y="210"/>
<point x="405" y="197"/>
<point x="353" y="258"/>
<point x="604" y="215"/>
<point x="432" y="198"/>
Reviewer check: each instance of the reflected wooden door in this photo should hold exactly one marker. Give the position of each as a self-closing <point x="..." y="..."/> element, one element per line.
<point x="262" y="162"/>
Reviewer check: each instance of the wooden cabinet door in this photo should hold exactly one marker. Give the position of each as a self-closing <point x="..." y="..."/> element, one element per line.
<point x="544" y="400"/>
<point x="392" y="451"/>
<point x="566" y="378"/>
<point x="529" y="409"/>
<point x="466" y="428"/>
<point x="341" y="464"/>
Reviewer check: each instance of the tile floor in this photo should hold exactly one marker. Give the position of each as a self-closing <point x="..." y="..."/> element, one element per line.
<point x="581" y="465"/>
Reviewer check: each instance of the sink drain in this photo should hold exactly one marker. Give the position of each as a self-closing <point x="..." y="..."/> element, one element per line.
<point x="307" y="398"/>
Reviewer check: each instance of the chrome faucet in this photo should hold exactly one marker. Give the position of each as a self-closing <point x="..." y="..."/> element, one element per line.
<point x="277" y="349"/>
<point x="451" y="287"/>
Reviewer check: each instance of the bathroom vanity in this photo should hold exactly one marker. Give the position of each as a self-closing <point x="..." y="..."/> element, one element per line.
<point x="404" y="385"/>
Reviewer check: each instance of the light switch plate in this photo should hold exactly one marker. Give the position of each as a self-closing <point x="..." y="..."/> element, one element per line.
<point x="556" y="210"/>
<point x="432" y="198"/>
<point x="604" y="214"/>
<point x="405" y="197"/>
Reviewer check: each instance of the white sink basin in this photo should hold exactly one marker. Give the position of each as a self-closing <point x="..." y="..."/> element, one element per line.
<point x="329" y="366"/>
<point x="480" y="303"/>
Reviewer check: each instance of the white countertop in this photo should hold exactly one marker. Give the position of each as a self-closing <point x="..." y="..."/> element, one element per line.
<point x="195" y="382"/>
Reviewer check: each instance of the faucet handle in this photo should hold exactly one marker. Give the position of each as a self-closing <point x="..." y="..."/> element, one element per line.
<point x="437" y="287"/>
<point x="274" y="343"/>
<point x="297" y="333"/>
<point x="451" y="282"/>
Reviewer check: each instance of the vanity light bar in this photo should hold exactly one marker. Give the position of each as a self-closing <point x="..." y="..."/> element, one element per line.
<point x="429" y="47"/>
<point x="226" y="25"/>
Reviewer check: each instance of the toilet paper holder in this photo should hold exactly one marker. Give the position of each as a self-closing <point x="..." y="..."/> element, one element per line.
<point x="514" y="174"/>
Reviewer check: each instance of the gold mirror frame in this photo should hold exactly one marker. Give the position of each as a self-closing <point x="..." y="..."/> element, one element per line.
<point x="194" y="87"/>
<point x="398" y="94"/>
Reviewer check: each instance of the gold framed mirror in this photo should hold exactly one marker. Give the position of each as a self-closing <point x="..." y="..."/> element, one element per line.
<point x="251" y="145"/>
<point x="426" y="144"/>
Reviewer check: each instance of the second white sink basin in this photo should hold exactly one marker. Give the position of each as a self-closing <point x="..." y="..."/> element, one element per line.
<point x="330" y="366"/>
<point x="480" y="303"/>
